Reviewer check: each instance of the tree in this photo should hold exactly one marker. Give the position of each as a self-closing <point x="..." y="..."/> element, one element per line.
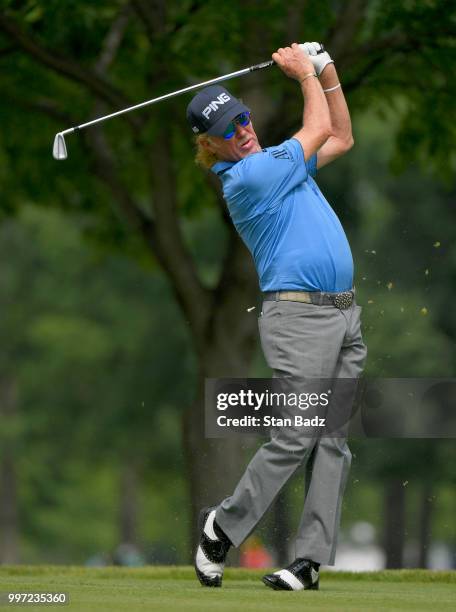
<point x="135" y="176"/>
<point x="88" y="387"/>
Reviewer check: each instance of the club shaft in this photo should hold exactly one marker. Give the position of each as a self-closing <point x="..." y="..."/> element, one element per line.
<point x="225" y="77"/>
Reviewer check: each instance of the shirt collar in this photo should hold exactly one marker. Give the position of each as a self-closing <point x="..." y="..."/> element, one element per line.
<point x="220" y="167"/>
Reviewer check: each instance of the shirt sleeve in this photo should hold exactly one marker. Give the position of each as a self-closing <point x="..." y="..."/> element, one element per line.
<point x="271" y="174"/>
<point x="311" y="165"/>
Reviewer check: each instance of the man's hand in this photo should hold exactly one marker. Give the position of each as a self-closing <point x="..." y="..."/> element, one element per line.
<point x="294" y="62"/>
<point x="319" y="60"/>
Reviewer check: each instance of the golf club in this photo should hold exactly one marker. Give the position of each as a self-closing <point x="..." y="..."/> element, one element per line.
<point x="59" y="149"/>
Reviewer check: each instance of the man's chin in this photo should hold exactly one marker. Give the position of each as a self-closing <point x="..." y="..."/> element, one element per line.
<point x="250" y="147"/>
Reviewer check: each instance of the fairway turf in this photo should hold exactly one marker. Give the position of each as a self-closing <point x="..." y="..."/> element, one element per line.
<point x="172" y="589"/>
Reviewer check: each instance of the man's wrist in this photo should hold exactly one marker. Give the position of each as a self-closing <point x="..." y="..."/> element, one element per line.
<point x="329" y="77"/>
<point x="307" y="76"/>
<point x="329" y="89"/>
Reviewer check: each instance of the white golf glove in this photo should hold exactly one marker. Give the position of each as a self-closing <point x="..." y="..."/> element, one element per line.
<point x="319" y="60"/>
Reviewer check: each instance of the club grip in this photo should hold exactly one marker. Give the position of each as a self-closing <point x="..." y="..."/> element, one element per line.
<point x="271" y="62"/>
<point x="262" y="65"/>
<point x="322" y="48"/>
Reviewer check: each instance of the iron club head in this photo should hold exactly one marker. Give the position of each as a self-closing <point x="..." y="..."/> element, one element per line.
<point x="59" y="150"/>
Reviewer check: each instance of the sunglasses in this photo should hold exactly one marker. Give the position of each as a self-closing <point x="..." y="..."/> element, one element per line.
<point x="242" y="119"/>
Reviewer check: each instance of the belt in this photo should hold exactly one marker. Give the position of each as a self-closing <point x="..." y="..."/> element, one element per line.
<point x="342" y="300"/>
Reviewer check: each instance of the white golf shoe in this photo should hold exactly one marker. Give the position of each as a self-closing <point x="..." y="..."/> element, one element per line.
<point x="212" y="550"/>
<point x="302" y="574"/>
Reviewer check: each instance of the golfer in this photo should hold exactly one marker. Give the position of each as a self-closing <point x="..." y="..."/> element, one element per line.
<point x="310" y="323"/>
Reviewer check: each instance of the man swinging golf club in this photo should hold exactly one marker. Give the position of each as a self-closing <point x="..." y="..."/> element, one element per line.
<point x="310" y="323"/>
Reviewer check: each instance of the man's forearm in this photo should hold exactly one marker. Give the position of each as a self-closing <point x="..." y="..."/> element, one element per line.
<point x="316" y="109"/>
<point x="295" y="63"/>
<point x="338" y="109"/>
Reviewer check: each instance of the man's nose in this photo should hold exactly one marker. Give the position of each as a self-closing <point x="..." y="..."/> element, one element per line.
<point x="240" y="129"/>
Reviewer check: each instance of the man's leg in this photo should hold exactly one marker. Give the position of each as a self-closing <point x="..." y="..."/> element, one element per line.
<point x="301" y="341"/>
<point x="318" y="529"/>
<point x="317" y="532"/>
<point x="271" y="467"/>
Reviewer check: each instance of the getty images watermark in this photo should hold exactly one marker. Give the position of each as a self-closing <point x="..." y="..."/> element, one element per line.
<point x="247" y="398"/>
<point x="382" y="407"/>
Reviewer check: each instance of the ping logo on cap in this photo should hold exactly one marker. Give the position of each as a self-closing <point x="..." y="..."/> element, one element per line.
<point x="211" y="110"/>
<point x="214" y="104"/>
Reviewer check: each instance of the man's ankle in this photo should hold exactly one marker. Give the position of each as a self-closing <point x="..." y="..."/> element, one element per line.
<point x="221" y="534"/>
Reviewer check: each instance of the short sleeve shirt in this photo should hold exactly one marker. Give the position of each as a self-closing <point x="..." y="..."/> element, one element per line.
<point x="295" y="237"/>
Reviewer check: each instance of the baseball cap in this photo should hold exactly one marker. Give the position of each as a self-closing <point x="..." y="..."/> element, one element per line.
<point x="212" y="109"/>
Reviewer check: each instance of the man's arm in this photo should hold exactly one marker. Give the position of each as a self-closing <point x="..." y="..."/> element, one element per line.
<point x="341" y="139"/>
<point x="316" y="129"/>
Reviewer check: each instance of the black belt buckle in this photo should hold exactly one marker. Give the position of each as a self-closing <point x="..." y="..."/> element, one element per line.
<point x="343" y="300"/>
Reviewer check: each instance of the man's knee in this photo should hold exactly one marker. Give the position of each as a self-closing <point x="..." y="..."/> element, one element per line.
<point x="336" y="446"/>
<point x="288" y="447"/>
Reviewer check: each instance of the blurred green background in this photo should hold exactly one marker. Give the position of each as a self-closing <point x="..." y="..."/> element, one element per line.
<point x="123" y="284"/>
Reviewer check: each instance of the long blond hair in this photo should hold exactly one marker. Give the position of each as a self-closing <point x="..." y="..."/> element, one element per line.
<point x="204" y="157"/>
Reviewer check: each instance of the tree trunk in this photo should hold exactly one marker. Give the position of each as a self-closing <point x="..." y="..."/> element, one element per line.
<point x="214" y="466"/>
<point x="128" y="504"/>
<point x="425" y="525"/>
<point x="394" y="534"/>
<point x="9" y="516"/>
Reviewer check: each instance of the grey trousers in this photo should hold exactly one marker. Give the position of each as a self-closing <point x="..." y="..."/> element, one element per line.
<point x="302" y="341"/>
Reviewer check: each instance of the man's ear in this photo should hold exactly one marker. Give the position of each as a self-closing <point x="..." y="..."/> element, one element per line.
<point x="207" y="144"/>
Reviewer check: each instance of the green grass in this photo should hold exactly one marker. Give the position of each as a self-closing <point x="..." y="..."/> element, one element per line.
<point x="173" y="589"/>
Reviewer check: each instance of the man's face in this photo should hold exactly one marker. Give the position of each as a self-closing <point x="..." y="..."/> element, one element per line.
<point x="244" y="142"/>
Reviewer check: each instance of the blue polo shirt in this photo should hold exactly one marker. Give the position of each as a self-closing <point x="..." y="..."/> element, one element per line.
<point x="295" y="237"/>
